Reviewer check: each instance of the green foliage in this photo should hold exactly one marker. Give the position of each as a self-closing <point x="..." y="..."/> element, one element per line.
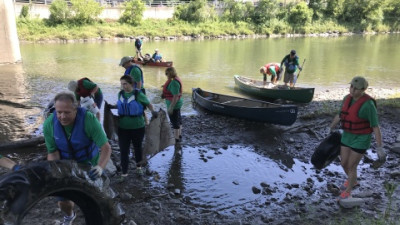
<point x="85" y="11"/>
<point x="24" y="12"/>
<point x="300" y="15"/>
<point x="264" y="12"/>
<point x="133" y="12"/>
<point x="334" y="8"/>
<point x="59" y="12"/>
<point x="366" y="13"/>
<point x="196" y="11"/>
<point x="318" y="7"/>
<point x="392" y="14"/>
<point x="237" y="11"/>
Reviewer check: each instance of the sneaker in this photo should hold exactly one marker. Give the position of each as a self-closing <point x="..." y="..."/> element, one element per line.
<point x="69" y="219"/>
<point x="346" y="183"/>
<point x="139" y="171"/>
<point x="344" y="195"/>
<point x="122" y="178"/>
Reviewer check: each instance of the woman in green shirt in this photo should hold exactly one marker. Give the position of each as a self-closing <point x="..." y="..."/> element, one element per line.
<point x="131" y="124"/>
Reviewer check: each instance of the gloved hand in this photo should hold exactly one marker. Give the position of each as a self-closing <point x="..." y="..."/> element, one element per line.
<point x="154" y="114"/>
<point x="381" y="154"/>
<point x="95" y="172"/>
<point x="16" y="167"/>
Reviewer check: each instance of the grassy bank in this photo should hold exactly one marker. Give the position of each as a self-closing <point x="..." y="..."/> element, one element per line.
<point x="37" y="30"/>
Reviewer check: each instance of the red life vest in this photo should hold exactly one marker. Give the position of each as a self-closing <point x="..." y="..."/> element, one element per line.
<point x="349" y="119"/>
<point x="81" y="90"/>
<point x="166" y="93"/>
<point x="272" y="64"/>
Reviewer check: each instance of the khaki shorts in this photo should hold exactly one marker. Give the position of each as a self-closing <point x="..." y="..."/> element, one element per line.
<point x="288" y="77"/>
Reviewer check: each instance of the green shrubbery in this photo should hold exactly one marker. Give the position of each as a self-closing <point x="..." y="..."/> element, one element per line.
<point x="80" y="12"/>
<point x="196" y="11"/>
<point x="133" y="12"/>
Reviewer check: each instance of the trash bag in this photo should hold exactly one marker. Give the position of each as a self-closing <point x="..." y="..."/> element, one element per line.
<point x="327" y="151"/>
<point x="158" y="135"/>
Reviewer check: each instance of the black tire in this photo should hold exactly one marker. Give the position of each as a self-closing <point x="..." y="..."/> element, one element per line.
<point x="327" y="151"/>
<point x="23" y="189"/>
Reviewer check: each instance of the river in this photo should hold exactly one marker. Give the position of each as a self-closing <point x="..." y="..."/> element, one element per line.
<point x="209" y="64"/>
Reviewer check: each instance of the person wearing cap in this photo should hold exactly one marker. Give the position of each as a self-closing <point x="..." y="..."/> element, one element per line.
<point x="86" y="88"/>
<point x="71" y="133"/>
<point x="134" y="71"/>
<point x="359" y="119"/>
<point x="291" y="62"/>
<point x="271" y="69"/>
<point x="157" y="57"/>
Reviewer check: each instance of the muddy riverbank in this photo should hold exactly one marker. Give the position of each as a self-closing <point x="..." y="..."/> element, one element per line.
<point x="295" y="193"/>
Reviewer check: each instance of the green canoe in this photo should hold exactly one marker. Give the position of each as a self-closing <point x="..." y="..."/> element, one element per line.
<point x="255" y="87"/>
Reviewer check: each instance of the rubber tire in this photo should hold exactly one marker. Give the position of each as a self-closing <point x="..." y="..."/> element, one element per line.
<point x="63" y="179"/>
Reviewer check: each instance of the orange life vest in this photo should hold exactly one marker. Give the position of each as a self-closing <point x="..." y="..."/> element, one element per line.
<point x="272" y="64"/>
<point x="166" y="93"/>
<point x="349" y="119"/>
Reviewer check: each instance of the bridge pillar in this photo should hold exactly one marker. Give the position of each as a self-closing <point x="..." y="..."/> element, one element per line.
<point x="9" y="43"/>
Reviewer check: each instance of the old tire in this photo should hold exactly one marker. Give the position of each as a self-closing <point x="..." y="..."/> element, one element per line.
<point x="23" y="189"/>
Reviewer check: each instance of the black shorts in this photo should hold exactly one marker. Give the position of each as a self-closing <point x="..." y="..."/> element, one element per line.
<point x="176" y="119"/>
<point x="360" y="151"/>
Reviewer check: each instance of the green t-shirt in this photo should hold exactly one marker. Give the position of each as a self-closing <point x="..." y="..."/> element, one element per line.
<point x="362" y="141"/>
<point x="126" y="122"/>
<point x="136" y="74"/>
<point x="89" y="86"/>
<point x="93" y="131"/>
<point x="174" y="87"/>
<point x="272" y="70"/>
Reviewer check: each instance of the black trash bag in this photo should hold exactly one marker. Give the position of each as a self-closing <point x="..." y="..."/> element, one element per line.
<point x="327" y="151"/>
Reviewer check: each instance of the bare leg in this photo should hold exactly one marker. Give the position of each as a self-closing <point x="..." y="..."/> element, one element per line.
<point x="350" y="161"/>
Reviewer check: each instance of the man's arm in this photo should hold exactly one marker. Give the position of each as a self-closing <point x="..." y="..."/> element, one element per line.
<point x="53" y="156"/>
<point x="104" y="155"/>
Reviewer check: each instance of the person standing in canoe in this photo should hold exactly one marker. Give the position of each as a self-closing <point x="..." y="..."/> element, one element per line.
<point x="157" y="57"/>
<point x="134" y="71"/>
<point x="291" y="62"/>
<point x="271" y="69"/>
<point x="138" y="46"/>
<point x="172" y="93"/>
<point x="359" y="119"/>
<point x="87" y="88"/>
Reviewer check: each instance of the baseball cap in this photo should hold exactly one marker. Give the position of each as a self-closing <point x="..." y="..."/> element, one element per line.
<point x="293" y="52"/>
<point x="72" y="85"/>
<point x="359" y="82"/>
<point x="125" y="59"/>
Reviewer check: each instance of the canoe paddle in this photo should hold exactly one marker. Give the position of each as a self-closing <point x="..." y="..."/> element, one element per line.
<point x="298" y="75"/>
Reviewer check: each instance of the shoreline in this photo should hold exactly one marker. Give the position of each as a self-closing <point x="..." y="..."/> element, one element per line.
<point x="201" y="37"/>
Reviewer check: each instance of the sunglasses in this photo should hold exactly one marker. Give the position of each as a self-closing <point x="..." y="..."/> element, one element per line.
<point x="351" y="86"/>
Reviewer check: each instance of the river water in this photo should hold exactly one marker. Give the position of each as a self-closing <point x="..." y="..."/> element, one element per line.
<point x="25" y="89"/>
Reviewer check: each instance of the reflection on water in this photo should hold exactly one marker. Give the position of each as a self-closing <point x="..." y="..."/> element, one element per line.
<point x="17" y="116"/>
<point x="224" y="178"/>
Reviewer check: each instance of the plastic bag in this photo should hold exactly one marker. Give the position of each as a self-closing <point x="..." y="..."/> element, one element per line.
<point x="327" y="151"/>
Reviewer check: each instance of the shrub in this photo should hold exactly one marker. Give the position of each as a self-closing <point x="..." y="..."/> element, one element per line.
<point x="85" y="11"/>
<point x="196" y="11"/>
<point x="24" y="12"/>
<point x="59" y="12"/>
<point x="133" y="12"/>
<point x="300" y="15"/>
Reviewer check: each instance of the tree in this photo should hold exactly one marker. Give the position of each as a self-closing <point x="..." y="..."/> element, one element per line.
<point x="195" y="11"/>
<point x="85" y="11"/>
<point x="265" y="11"/>
<point x="333" y="9"/>
<point x="59" y="12"/>
<point x="237" y="11"/>
<point x="391" y="13"/>
<point x="362" y="12"/>
<point x="133" y="12"/>
<point x="300" y="15"/>
<point x="318" y="7"/>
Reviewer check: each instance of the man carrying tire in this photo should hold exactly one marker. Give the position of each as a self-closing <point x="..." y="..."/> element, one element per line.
<point x="72" y="133"/>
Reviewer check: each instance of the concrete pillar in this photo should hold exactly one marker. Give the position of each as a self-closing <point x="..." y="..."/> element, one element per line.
<point x="9" y="43"/>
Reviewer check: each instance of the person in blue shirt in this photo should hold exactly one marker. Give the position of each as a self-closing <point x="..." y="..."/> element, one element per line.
<point x="157" y="57"/>
<point x="138" y="46"/>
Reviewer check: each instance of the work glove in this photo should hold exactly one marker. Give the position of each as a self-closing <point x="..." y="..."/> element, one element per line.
<point x="154" y="114"/>
<point x="16" y="167"/>
<point x="95" y="172"/>
<point x="381" y="154"/>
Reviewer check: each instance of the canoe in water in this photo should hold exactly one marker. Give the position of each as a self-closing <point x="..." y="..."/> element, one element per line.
<point x="250" y="109"/>
<point x="255" y="87"/>
<point x="150" y="63"/>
